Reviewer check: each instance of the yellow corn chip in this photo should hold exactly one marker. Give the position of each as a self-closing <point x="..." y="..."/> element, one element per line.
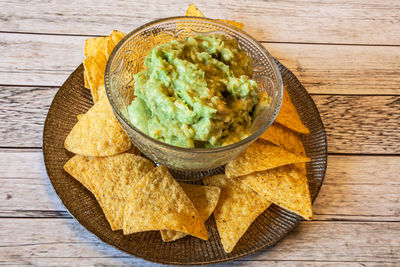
<point x="114" y="39"/>
<point x="79" y="116"/>
<point x="285" y="138"/>
<point x="237" y="208"/>
<point x="288" y="116"/>
<point x="94" y="69"/>
<point x="76" y="166"/>
<point x="94" y="47"/>
<point x="233" y="23"/>
<point x="101" y="91"/>
<point x="98" y="133"/>
<point x="285" y="186"/>
<point x="110" y="179"/>
<point x="193" y="11"/>
<point x="86" y="80"/>
<point x="158" y="202"/>
<point x="260" y="156"/>
<point x="204" y="199"/>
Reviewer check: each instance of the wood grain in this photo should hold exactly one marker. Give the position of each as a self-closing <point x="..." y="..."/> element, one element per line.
<point x="332" y="69"/>
<point x="350" y="190"/>
<point x="310" y="241"/>
<point x="45" y="60"/>
<point x="354" y="124"/>
<point x="361" y="124"/>
<point x="341" y="21"/>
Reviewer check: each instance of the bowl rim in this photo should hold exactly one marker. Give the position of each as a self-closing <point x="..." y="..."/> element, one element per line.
<point x="249" y="139"/>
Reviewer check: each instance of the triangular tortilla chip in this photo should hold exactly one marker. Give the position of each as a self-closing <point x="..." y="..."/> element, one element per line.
<point x="95" y="46"/>
<point x="204" y="198"/>
<point x="285" y="186"/>
<point x="86" y="80"/>
<point x="233" y="23"/>
<point x="193" y="11"/>
<point x="158" y="202"/>
<point x="110" y="179"/>
<point x="76" y="166"/>
<point x="98" y="133"/>
<point x="94" y="69"/>
<point x="260" y="156"/>
<point x="101" y="91"/>
<point x="285" y="138"/>
<point x="113" y="40"/>
<point x="237" y="208"/>
<point x="288" y="116"/>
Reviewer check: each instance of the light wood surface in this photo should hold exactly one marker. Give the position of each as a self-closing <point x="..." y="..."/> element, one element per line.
<point x="346" y="54"/>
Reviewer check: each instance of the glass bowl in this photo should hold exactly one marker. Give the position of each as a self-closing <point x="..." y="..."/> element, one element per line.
<point x="127" y="59"/>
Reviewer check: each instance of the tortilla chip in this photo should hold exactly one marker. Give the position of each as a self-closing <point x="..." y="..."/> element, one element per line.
<point x="98" y="133"/>
<point x="76" y="166"/>
<point x="237" y="208"/>
<point x="260" y="156"/>
<point x="94" y="69"/>
<point x="285" y="138"/>
<point x="79" y="116"/>
<point x="86" y="80"/>
<point x="94" y="47"/>
<point x="233" y="23"/>
<point x="158" y="202"/>
<point x="204" y="198"/>
<point x="284" y="186"/>
<point x="114" y="39"/>
<point x="193" y="11"/>
<point x="288" y="116"/>
<point x="110" y="179"/>
<point x="101" y="91"/>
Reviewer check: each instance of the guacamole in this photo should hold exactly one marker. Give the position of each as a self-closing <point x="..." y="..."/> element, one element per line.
<point x="195" y="92"/>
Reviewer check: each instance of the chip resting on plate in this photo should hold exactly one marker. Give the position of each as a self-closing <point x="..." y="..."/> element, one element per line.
<point x="260" y="156"/>
<point x="95" y="46"/>
<point x="94" y="71"/>
<point x="204" y="198"/>
<point x="237" y="208"/>
<point x="158" y="202"/>
<point x="112" y="41"/>
<point x="288" y="116"/>
<point x="285" y="186"/>
<point x="98" y="133"/>
<point x="76" y="167"/>
<point x="101" y="91"/>
<point x="284" y="138"/>
<point x="110" y="179"/>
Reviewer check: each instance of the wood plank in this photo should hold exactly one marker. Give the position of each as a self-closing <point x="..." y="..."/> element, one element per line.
<point x="132" y="261"/>
<point x="351" y="191"/>
<point x="41" y="60"/>
<point x="361" y="124"/>
<point x="310" y="241"/>
<point x="354" y="124"/>
<point x="337" y="21"/>
<point x="333" y="69"/>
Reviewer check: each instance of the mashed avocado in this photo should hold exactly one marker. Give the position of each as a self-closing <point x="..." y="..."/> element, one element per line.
<point x="195" y="92"/>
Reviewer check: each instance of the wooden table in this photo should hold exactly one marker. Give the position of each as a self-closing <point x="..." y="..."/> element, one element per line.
<point x="347" y="55"/>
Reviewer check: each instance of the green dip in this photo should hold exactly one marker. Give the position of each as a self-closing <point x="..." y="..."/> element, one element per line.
<point x="195" y="92"/>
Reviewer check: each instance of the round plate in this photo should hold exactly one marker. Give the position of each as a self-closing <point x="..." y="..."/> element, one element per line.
<point x="275" y="223"/>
